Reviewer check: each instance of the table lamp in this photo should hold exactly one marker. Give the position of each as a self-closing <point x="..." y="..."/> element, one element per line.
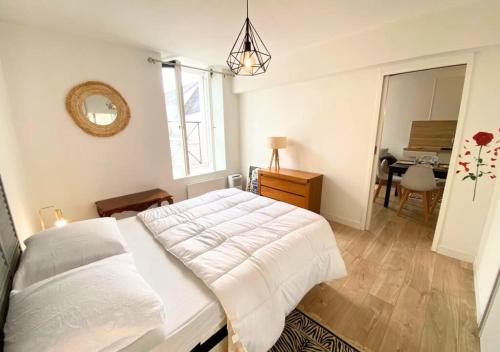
<point x="58" y="215"/>
<point x="276" y="143"/>
<point x="60" y="220"/>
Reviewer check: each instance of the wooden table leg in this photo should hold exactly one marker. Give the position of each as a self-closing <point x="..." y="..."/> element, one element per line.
<point x="426" y="205"/>
<point x="388" y="188"/>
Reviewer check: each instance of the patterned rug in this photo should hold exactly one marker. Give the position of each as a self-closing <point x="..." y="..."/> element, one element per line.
<point x="302" y="334"/>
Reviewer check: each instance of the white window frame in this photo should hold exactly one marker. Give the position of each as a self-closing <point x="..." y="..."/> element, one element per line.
<point x="182" y="118"/>
<point x="208" y="111"/>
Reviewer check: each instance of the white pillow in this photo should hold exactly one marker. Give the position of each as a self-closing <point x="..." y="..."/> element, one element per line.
<point x="103" y="306"/>
<point x="59" y="249"/>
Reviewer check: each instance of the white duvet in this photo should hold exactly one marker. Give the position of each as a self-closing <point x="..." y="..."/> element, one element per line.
<point x="259" y="256"/>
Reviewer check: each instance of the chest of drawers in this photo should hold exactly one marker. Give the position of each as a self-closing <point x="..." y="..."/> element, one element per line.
<point x="296" y="187"/>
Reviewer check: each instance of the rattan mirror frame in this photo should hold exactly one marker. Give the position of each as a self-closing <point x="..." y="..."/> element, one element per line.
<point x="74" y="106"/>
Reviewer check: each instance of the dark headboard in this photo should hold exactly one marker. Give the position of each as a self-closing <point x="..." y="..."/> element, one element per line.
<point x="10" y="252"/>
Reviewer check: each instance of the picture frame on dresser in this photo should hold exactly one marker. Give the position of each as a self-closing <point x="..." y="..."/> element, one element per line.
<point x="252" y="180"/>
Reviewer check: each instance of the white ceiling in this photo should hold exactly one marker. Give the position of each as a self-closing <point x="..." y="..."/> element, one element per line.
<point x="206" y="29"/>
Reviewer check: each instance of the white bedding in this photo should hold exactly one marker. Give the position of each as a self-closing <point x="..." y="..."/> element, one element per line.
<point x="193" y="312"/>
<point x="259" y="256"/>
<point x="102" y="306"/>
<point x="60" y="249"/>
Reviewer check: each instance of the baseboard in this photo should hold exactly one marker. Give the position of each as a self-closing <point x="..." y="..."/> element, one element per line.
<point x="455" y="254"/>
<point x="343" y="221"/>
<point x="477" y="294"/>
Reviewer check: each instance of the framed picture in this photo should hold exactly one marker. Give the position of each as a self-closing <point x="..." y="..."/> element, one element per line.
<point x="253" y="179"/>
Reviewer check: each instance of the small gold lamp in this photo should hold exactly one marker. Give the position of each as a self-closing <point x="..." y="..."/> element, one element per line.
<point x="276" y="143"/>
<point x="60" y="220"/>
<point x="58" y="215"/>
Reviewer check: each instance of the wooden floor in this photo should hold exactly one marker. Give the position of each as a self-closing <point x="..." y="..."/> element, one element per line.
<point x="398" y="295"/>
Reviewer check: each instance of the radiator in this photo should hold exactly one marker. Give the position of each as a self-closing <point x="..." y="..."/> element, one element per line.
<point x="197" y="189"/>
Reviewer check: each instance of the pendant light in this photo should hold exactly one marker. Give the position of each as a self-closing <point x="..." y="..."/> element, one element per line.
<point x="249" y="55"/>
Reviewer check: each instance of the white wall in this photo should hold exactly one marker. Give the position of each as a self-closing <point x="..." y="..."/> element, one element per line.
<point x="11" y="169"/>
<point x="325" y="121"/>
<point x="465" y="219"/>
<point x="486" y="267"/>
<point x="324" y="98"/>
<point x="68" y="167"/>
<point x="490" y="335"/>
<point x="447" y="97"/>
<point x="417" y="96"/>
<point x="487" y="262"/>
<point x="472" y="26"/>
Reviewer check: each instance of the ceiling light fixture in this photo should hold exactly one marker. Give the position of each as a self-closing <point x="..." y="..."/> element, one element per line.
<point x="249" y="55"/>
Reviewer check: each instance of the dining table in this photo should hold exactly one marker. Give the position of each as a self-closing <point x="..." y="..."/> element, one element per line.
<point x="400" y="167"/>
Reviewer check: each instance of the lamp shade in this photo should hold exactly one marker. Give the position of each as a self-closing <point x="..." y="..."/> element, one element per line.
<point x="276" y="142"/>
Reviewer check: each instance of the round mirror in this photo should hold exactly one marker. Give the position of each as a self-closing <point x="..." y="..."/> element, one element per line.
<point x="98" y="108"/>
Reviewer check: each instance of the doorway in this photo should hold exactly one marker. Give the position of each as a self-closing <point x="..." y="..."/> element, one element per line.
<point x="419" y="116"/>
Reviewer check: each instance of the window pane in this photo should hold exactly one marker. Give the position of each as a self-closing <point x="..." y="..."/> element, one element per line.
<point x="217" y="105"/>
<point x="174" y="124"/>
<point x="198" y="131"/>
<point x="190" y="125"/>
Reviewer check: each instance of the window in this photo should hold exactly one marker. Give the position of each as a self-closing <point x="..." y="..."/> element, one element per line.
<point x="195" y="145"/>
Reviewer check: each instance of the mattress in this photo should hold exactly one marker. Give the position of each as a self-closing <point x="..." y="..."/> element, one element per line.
<point x="193" y="312"/>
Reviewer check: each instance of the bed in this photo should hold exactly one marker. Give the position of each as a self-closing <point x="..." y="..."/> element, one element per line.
<point x="196" y="315"/>
<point x="258" y="256"/>
<point x="281" y="252"/>
<point x="196" y="320"/>
<point x="10" y="254"/>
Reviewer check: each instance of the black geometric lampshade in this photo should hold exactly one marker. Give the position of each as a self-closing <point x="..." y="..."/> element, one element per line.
<point x="249" y="55"/>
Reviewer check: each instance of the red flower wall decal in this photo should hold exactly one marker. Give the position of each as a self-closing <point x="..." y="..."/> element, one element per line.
<point x="464" y="164"/>
<point x="483" y="138"/>
<point x="483" y="141"/>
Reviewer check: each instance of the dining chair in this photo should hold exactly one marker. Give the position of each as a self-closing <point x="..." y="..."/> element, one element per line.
<point x="418" y="179"/>
<point x="440" y="184"/>
<point x="383" y="175"/>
